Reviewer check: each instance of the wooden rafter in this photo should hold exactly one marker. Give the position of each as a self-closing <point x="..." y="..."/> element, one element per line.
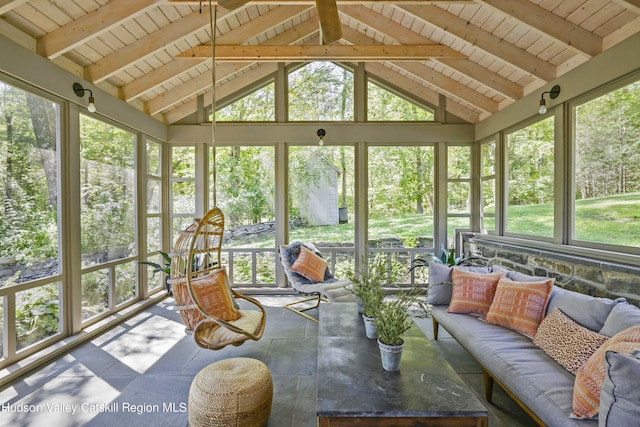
<point x="484" y="40"/>
<point x="404" y="35"/>
<point x="549" y="23"/>
<point x="263" y="23"/>
<point x="90" y="26"/>
<point x="196" y="85"/>
<point x="263" y="53"/>
<point x="148" y="45"/>
<point x="191" y="106"/>
<point x="442" y="83"/>
<point x="419" y="90"/>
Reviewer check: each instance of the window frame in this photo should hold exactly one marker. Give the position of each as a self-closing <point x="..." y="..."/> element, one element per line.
<point x="571" y="165"/>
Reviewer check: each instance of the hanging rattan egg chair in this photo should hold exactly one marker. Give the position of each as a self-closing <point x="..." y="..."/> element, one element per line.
<point x="203" y="296"/>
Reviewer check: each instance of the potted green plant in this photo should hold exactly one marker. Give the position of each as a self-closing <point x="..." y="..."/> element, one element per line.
<point x="164" y="267"/>
<point x="367" y="287"/>
<point x="393" y="321"/>
<point x="447" y="257"/>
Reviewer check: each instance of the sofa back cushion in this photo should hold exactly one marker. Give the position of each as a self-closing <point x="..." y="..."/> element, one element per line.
<point x="622" y="316"/>
<point x="473" y="292"/>
<point x="520" y="306"/>
<point x="591" y="312"/>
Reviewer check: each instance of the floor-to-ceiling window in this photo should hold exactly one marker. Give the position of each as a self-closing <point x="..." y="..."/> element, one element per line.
<point x="108" y="216"/>
<point x="183" y="188"/>
<point x="607" y="168"/>
<point x="30" y="281"/>
<point x="321" y="201"/>
<point x="245" y="192"/>
<point x="530" y="179"/>
<point x="488" y="186"/>
<point x="154" y="212"/>
<point x="401" y="190"/>
<point x="458" y="190"/>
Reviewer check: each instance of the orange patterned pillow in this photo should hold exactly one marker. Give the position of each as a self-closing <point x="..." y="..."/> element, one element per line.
<point x="473" y="292"/>
<point x="589" y="379"/>
<point x="212" y="293"/>
<point x="309" y="265"/>
<point x="520" y="305"/>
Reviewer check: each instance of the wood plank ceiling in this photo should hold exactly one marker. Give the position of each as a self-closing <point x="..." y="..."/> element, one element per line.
<point x="482" y="55"/>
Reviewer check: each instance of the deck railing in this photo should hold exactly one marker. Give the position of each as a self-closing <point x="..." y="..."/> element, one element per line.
<point x="255" y="267"/>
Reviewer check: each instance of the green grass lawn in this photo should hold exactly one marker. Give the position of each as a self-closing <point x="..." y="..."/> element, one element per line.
<point x="614" y="219"/>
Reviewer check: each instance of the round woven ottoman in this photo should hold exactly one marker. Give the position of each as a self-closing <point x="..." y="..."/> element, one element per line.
<point x="232" y="392"/>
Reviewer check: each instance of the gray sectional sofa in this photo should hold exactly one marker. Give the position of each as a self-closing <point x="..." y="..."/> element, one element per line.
<point x="540" y="385"/>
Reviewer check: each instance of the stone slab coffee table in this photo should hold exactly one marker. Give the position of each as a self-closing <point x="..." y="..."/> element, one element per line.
<point x="353" y="389"/>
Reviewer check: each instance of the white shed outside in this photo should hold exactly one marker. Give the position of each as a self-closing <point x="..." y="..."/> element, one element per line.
<point x="321" y="207"/>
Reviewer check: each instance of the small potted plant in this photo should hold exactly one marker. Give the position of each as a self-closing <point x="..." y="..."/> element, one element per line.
<point x="165" y="268"/>
<point x="367" y="287"/>
<point x="393" y="321"/>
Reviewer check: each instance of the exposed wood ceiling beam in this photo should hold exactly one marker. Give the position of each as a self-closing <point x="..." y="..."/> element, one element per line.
<point x="418" y="90"/>
<point x="449" y="86"/>
<point x="403" y="35"/>
<point x="90" y="26"/>
<point x="138" y="50"/>
<point x="156" y="78"/>
<point x="190" y="88"/>
<point x="191" y="106"/>
<point x="238" y="35"/>
<point x="549" y="23"/>
<point x="431" y="77"/>
<point x="329" y="20"/>
<point x="7" y="5"/>
<point x="484" y="40"/>
<point x="263" y="53"/>
<point x="198" y="84"/>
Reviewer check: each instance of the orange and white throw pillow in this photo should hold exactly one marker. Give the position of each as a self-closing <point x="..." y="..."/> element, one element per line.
<point x="212" y="293"/>
<point x="473" y="292"/>
<point x="590" y="377"/>
<point x="520" y="306"/>
<point x="309" y="265"/>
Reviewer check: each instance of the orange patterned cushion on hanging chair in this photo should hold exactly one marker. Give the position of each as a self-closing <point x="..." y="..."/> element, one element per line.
<point x="212" y="294"/>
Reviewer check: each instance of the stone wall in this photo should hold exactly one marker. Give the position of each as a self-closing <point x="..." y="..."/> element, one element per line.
<point x="586" y="275"/>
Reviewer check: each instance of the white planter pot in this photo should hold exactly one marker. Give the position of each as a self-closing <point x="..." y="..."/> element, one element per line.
<point x="370" y="327"/>
<point x="390" y="356"/>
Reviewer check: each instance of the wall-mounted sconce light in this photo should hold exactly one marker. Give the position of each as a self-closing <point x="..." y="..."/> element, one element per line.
<point x="553" y="94"/>
<point x="79" y="90"/>
<point x="321" y="134"/>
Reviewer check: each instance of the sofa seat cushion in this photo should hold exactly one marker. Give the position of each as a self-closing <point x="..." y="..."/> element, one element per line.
<point x="538" y="381"/>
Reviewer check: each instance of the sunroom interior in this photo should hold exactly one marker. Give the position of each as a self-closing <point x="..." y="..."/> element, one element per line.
<point x="409" y="151"/>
